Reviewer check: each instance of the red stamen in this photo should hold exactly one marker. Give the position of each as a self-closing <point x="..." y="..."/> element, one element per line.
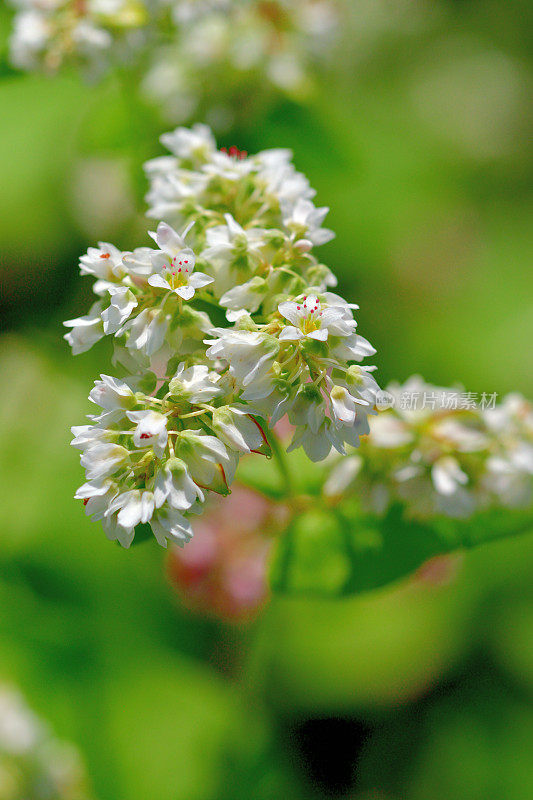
<point x="86" y="500"/>
<point x="146" y="435"/>
<point x="234" y="152"/>
<point x="105" y="255"/>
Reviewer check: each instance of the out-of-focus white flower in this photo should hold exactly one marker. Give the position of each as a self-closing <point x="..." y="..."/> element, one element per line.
<point x="196" y="144"/>
<point x="436" y="457"/>
<point x="32" y="762"/>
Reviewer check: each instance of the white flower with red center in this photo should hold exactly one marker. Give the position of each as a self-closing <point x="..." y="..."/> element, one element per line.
<point x="174" y="264"/>
<point x="106" y="264"/>
<point x="312" y="319"/>
<point x="151" y="430"/>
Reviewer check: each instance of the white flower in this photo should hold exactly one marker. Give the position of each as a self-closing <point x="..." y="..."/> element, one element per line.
<point x="250" y="356"/>
<point x="169" y="524"/>
<point x="196" y="144"/>
<point x="116" y="532"/>
<point x="196" y="384"/>
<point x="316" y="444"/>
<point x="509" y="476"/>
<point x="282" y="180"/>
<point x="233" y="252"/>
<point x="151" y="430"/>
<point x="103" y="459"/>
<point x="90" y="39"/>
<point x="344" y="404"/>
<point x="106" y="264"/>
<point x="208" y="462"/>
<point x="88" y="435"/>
<point x="112" y="394"/>
<point x="447" y="475"/>
<point x="133" y="507"/>
<point x="170" y="188"/>
<point x="30" y="37"/>
<point x="86" y="330"/>
<point x="228" y="167"/>
<point x="352" y="348"/>
<point x="389" y="432"/>
<point x="311" y="319"/>
<point x="122" y="304"/>
<point x="139" y="261"/>
<point x="343" y="474"/>
<point x="303" y="220"/>
<point x="147" y="331"/>
<point x="97" y="495"/>
<point x="238" y="429"/>
<point x="174" y="264"/>
<point x="247" y="296"/>
<point x="173" y="483"/>
<point x="20" y="731"/>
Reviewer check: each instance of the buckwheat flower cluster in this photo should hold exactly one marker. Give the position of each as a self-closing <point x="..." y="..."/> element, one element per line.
<point x="258" y="47"/>
<point x="186" y="44"/>
<point x="33" y="764"/>
<point x="436" y="455"/>
<point x="47" y="33"/>
<point x="221" y="330"/>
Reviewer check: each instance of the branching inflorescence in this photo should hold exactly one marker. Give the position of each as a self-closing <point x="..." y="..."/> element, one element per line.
<point x="438" y="451"/>
<point x="222" y="329"/>
<point x="180" y="49"/>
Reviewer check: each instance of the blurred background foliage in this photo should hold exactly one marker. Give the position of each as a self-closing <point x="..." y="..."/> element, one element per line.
<point x="419" y="141"/>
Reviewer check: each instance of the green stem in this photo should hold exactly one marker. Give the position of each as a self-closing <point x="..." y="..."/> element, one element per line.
<point x="278" y="454"/>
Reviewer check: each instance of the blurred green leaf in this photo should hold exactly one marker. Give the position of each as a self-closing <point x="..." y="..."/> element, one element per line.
<point x="333" y="553"/>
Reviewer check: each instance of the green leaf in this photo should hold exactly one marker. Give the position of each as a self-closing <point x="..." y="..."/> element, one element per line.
<point x="338" y="552"/>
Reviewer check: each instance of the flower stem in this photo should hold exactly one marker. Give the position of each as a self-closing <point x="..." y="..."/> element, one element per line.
<point x="279" y="455"/>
